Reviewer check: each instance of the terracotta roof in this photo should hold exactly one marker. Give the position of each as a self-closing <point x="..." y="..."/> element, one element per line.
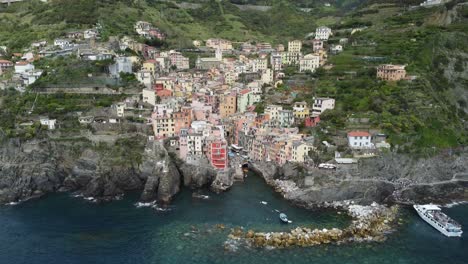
<point x="5" y="61"/>
<point x="150" y="61"/>
<point x="245" y="91"/>
<point x="22" y="63"/>
<point x="358" y="134"/>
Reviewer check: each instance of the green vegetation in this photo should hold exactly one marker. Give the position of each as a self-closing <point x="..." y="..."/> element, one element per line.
<point x="70" y="72"/>
<point x="417" y="115"/>
<point x="15" y="109"/>
<point x="125" y="151"/>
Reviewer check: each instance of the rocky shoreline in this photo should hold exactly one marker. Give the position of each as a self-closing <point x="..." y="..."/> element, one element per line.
<point x="437" y="180"/>
<point x="33" y="168"/>
<point x="30" y="169"/>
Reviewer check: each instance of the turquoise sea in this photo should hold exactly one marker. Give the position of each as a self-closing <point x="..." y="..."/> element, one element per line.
<point x="62" y="229"/>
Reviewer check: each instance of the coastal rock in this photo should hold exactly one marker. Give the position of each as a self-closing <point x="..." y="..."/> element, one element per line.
<point x="33" y="168"/>
<point x="197" y="176"/>
<point x="370" y="223"/>
<point x="161" y="174"/>
<point x="388" y="178"/>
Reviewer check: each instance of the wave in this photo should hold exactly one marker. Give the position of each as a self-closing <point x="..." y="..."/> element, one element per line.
<point x="153" y="205"/>
<point x="452" y="204"/>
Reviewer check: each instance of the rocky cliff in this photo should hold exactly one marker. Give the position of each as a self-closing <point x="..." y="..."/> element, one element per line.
<point x="33" y="168"/>
<point x="389" y="178"/>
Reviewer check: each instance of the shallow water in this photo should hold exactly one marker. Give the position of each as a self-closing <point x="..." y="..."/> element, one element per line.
<point x="63" y="229"/>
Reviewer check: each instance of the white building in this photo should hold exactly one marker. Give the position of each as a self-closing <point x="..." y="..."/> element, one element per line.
<point x="50" y="123"/>
<point x="322" y="104"/>
<point x="429" y="3"/>
<point x="194" y="144"/>
<point x="273" y="111"/>
<point x="90" y="33"/>
<point x="122" y="64"/>
<point x="276" y="61"/>
<point x="295" y="46"/>
<point x="62" y="43"/>
<point x="145" y="77"/>
<point x="267" y="76"/>
<point x="335" y="49"/>
<point x="359" y="140"/>
<point x="259" y="65"/>
<point x="323" y="33"/>
<point x="23" y="66"/>
<point x="286" y="118"/>
<point x="149" y="96"/>
<point x="120" y="108"/>
<point x="29" y="77"/>
<point x="310" y="62"/>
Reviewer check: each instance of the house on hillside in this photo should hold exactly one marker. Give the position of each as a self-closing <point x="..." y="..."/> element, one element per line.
<point x="62" y="43"/>
<point x="5" y="64"/>
<point x="309" y="62"/>
<point x="295" y="46"/>
<point x="323" y="33"/>
<point x="360" y="140"/>
<point x="23" y="66"/>
<point x="335" y="49"/>
<point x="322" y="104"/>
<point x="122" y="64"/>
<point x="49" y="123"/>
<point x="91" y="34"/>
<point x="390" y="72"/>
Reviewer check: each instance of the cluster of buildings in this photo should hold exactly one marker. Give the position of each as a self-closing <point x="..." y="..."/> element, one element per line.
<point x="147" y="30"/>
<point x="208" y="112"/>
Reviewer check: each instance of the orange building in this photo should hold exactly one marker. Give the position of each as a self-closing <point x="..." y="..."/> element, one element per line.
<point x="182" y="119"/>
<point x="228" y="105"/>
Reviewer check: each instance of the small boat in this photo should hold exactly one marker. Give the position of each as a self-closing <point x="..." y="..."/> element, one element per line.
<point x="284" y="218"/>
<point x="263" y="202"/>
<point x="433" y="215"/>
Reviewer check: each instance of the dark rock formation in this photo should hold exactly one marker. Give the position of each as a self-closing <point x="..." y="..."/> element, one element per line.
<point x="33" y="168"/>
<point x="390" y="178"/>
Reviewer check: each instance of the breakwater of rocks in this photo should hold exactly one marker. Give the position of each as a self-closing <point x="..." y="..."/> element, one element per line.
<point x="371" y="223"/>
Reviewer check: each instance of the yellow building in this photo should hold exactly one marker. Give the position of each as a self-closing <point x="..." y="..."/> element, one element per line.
<point x="300" y="110"/>
<point x="149" y="65"/>
<point x="300" y="150"/>
<point x="294" y="46"/>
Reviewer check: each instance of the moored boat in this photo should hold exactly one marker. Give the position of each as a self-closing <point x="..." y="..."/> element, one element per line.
<point x="434" y="216"/>
<point x="284" y="218"/>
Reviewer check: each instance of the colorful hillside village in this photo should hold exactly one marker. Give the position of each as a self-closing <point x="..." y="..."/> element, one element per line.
<point x="214" y="110"/>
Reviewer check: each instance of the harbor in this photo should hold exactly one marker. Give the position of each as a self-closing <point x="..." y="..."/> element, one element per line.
<point x="194" y="229"/>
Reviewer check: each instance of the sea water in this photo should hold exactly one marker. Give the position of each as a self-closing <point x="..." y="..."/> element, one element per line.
<point x="65" y="229"/>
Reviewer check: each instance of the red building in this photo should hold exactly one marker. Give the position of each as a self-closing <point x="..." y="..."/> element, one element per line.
<point x="312" y="121"/>
<point x="158" y="87"/>
<point x="164" y="93"/>
<point x="217" y="153"/>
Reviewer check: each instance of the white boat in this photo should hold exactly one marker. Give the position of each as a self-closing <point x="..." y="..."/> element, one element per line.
<point x="433" y="215"/>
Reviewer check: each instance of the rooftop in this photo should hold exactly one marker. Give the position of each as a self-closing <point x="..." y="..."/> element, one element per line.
<point x="358" y="134"/>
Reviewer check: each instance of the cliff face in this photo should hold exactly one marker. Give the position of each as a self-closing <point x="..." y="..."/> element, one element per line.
<point x="33" y="168"/>
<point x="390" y="178"/>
